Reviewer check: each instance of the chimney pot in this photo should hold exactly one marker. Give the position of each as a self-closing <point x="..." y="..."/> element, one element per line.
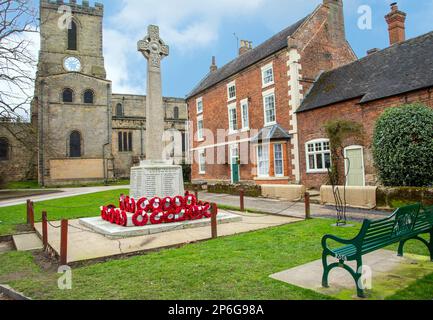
<point x="396" y="24"/>
<point x="245" y="46"/>
<point x="213" y="66"/>
<point x="371" y="51"/>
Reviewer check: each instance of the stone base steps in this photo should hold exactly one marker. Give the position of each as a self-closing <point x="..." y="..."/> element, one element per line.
<point x="27" y="242"/>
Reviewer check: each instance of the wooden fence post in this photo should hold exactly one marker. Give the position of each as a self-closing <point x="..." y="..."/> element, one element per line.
<point x="64" y="243"/>
<point x="214" y="221"/>
<point x="242" y="199"/>
<point x="31" y="214"/>
<point x="307" y="206"/>
<point x="45" y="229"/>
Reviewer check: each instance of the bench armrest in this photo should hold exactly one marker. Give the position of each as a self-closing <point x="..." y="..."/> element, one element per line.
<point x="337" y="239"/>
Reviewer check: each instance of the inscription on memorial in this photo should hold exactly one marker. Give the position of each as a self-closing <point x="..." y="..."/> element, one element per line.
<point x="154" y="181"/>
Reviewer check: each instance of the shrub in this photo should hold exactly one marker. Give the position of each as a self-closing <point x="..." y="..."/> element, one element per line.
<point x="403" y="146"/>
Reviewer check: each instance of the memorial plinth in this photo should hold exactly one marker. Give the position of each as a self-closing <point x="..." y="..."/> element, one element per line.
<point x="156" y="179"/>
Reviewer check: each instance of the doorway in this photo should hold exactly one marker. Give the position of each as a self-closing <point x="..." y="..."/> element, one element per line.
<point x="234" y="164"/>
<point x="354" y="166"/>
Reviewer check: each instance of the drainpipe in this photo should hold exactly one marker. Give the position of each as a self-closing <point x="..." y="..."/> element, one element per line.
<point x="142" y="141"/>
<point x="41" y="135"/>
<point x="109" y="132"/>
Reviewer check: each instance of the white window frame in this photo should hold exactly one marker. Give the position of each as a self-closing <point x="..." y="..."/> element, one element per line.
<point x="229" y="86"/>
<point x="230" y="108"/>
<point x="267" y="94"/>
<point x="245" y="122"/>
<point x="275" y="159"/>
<point x="200" y="135"/>
<point x="198" y="102"/>
<point x="202" y="156"/>
<point x="259" y="174"/>
<point x="269" y="66"/>
<point x="315" y="152"/>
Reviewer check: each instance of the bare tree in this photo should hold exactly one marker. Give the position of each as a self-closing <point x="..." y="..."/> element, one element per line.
<point x="17" y="62"/>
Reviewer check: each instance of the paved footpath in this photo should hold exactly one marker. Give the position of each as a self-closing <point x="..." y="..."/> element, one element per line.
<point x="63" y="193"/>
<point x="273" y="206"/>
<point x="287" y="208"/>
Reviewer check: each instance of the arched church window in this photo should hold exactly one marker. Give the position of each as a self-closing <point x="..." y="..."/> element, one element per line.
<point x="72" y="36"/>
<point x="88" y="97"/>
<point x="176" y="113"/>
<point x="4" y="149"/>
<point x="119" y="110"/>
<point x="68" y="95"/>
<point x="75" y="145"/>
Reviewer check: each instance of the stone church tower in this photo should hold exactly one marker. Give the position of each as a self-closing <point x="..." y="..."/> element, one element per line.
<point x="72" y="95"/>
<point x="86" y="133"/>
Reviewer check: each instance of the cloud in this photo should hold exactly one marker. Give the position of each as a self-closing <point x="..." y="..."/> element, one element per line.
<point x="118" y="62"/>
<point x="186" y="24"/>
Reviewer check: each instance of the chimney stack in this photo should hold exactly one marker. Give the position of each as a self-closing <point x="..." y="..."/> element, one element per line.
<point x="396" y="24"/>
<point x="245" y="46"/>
<point x="213" y="66"/>
<point x="336" y="26"/>
<point x="371" y="51"/>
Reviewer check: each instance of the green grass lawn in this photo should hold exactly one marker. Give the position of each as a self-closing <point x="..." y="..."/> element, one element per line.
<point x="23" y="185"/>
<point x="76" y="207"/>
<point x="236" y="267"/>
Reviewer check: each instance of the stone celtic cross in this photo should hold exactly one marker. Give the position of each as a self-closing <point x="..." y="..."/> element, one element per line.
<point x="154" y="50"/>
<point x="152" y="47"/>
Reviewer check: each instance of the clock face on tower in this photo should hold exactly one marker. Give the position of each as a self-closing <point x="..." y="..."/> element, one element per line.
<point x="72" y="64"/>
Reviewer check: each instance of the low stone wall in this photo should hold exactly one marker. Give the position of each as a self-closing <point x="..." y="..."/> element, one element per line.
<point x="285" y="192"/>
<point x="357" y="197"/>
<point x="233" y="189"/>
<point x="388" y="197"/>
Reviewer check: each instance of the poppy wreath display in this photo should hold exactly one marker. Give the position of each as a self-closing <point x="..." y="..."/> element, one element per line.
<point x="143" y="204"/>
<point x="190" y="201"/>
<point x="207" y="210"/>
<point x="168" y="204"/>
<point x="178" y="202"/>
<point x="140" y="219"/>
<point x="157" y="217"/>
<point x="156" y="211"/>
<point x="155" y="204"/>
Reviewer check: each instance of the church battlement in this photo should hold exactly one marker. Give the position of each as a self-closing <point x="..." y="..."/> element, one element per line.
<point x="83" y="8"/>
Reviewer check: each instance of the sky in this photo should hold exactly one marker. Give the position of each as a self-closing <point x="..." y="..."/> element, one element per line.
<point x="196" y="30"/>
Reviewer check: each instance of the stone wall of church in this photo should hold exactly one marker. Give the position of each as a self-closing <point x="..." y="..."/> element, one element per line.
<point x="59" y="119"/>
<point x="20" y="163"/>
<point x="129" y="116"/>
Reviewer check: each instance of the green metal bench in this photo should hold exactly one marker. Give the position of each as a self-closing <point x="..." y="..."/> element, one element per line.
<point x="405" y="224"/>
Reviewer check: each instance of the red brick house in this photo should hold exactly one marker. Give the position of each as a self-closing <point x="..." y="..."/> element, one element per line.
<point x="243" y="119"/>
<point x="360" y="92"/>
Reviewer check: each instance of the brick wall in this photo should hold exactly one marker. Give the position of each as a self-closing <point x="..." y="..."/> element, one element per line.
<point x="365" y="114"/>
<point x="318" y="48"/>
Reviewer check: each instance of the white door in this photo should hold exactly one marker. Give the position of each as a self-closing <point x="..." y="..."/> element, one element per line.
<point x="355" y="166"/>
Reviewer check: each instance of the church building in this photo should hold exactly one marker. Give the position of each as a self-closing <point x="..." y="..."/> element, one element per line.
<point x="85" y="132"/>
